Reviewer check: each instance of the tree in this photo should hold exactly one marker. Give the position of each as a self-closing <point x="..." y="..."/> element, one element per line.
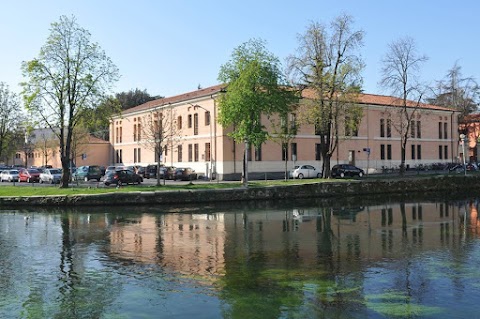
<point x="10" y="120"/>
<point x="69" y="77"/>
<point x="401" y="66"/>
<point x="326" y="64"/>
<point x="134" y="98"/>
<point x="157" y="131"/>
<point x="461" y="93"/>
<point x="255" y="87"/>
<point x="284" y="128"/>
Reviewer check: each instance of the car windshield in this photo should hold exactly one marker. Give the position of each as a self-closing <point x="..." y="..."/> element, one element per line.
<point x="55" y="171"/>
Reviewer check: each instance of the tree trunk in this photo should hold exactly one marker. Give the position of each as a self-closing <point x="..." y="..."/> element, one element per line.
<point x="245" y="166"/>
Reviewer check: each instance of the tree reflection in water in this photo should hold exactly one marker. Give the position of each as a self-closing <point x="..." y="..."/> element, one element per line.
<point x="343" y="259"/>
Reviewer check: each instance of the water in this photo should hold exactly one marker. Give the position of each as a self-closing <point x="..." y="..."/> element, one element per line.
<point x="364" y="258"/>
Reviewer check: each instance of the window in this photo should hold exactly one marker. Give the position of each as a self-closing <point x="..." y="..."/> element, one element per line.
<point x="179" y="122"/>
<point x="440" y="124"/>
<point x="293" y="121"/>
<point x="179" y="153"/>
<point x="207" y="118"/>
<point x="445" y="130"/>
<point x="419" y="129"/>
<point x="419" y="151"/>
<point x="249" y="153"/>
<point x="348" y="131"/>
<point x="134" y="132"/>
<point x="317" y="129"/>
<point x="389" y="128"/>
<point x="318" y="152"/>
<point x="190" y="152"/>
<point x="382" y="151"/>
<point x="389" y="151"/>
<point x="413" y="152"/>
<point x="189" y="120"/>
<point x="139" y="132"/>
<point x="294" y="151"/>
<point x="207" y="152"/>
<point x="118" y="155"/>
<point x="165" y="150"/>
<point x="440" y="151"/>
<point x="412" y="129"/>
<point x="258" y="153"/>
<point x="195" y="124"/>
<point x="382" y="127"/>
<point x="445" y="152"/>
<point x="195" y="152"/>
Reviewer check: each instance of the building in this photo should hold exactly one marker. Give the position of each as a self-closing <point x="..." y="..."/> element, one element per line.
<point x="198" y="141"/>
<point x="41" y="149"/>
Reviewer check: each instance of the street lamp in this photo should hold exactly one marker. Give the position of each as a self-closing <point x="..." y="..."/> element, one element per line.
<point x="464" y="139"/>
<point x="211" y="138"/>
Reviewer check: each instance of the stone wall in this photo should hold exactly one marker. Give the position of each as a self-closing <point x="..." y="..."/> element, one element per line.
<point x="434" y="185"/>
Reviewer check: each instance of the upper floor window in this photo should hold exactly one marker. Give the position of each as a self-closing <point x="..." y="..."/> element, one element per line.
<point x="207" y="118"/>
<point x="190" y="121"/>
<point x="179" y="122"/>
<point x="195" y="124"/>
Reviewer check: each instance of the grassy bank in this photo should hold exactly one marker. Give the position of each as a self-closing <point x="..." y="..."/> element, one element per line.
<point x="37" y="190"/>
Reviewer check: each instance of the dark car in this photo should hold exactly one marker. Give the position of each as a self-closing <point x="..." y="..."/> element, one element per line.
<point x="30" y="175"/>
<point x="87" y="173"/>
<point x="185" y="174"/>
<point x="122" y="177"/>
<point x="167" y="172"/>
<point x="346" y="170"/>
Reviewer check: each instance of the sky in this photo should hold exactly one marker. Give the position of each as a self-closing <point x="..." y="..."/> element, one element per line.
<point x="173" y="47"/>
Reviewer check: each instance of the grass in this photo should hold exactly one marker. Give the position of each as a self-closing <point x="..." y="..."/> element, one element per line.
<point x="36" y="190"/>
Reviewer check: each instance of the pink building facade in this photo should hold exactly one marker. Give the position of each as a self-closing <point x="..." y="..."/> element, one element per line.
<point x="201" y="143"/>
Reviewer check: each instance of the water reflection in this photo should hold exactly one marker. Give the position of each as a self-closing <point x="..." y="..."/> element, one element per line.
<point x="365" y="258"/>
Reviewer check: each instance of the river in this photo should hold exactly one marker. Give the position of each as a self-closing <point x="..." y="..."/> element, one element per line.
<point x="354" y="258"/>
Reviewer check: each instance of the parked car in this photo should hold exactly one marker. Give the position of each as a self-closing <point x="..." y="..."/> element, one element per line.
<point x="51" y="175"/>
<point x="346" y="170"/>
<point x="305" y="171"/>
<point x="29" y="175"/>
<point x="87" y="173"/>
<point x="141" y="170"/>
<point x="185" y="174"/>
<point x="122" y="177"/>
<point x="168" y="172"/>
<point x="9" y="175"/>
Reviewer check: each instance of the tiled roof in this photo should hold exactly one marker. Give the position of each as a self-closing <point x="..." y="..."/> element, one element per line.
<point x="370" y="99"/>
<point x="177" y="98"/>
<point x="374" y="99"/>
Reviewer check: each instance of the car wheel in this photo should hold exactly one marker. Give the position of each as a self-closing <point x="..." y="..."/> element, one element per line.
<point x="319" y="175"/>
<point x="86" y="179"/>
<point x="360" y="174"/>
<point x="51" y="181"/>
<point x="342" y="174"/>
<point x="300" y="176"/>
<point x="28" y="180"/>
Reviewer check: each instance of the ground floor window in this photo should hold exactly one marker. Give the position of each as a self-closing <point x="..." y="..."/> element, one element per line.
<point x="179" y="153"/>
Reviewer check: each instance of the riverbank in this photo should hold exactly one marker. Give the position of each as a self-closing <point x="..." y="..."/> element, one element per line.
<point x="439" y="184"/>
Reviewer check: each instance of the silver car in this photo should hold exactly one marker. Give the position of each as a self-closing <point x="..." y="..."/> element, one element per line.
<point x="51" y="175"/>
<point x="305" y="171"/>
<point x="10" y="175"/>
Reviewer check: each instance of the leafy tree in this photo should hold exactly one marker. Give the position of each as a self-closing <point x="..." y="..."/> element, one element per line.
<point x="456" y="91"/>
<point x="401" y="66"/>
<point x="327" y="65"/>
<point x="134" y="98"/>
<point x="255" y="87"/>
<point x="10" y="120"/>
<point x="69" y="77"/>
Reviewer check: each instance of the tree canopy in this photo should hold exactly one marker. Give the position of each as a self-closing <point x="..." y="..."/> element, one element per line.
<point x="256" y="86"/>
<point x="327" y="63"/>
<point x="70" y="76"/>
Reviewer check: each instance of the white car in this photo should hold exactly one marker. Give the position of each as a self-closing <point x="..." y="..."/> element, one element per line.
<point x="10" y="175"/>
<point x="305" y="171"/>
<point x="51" y="175"/>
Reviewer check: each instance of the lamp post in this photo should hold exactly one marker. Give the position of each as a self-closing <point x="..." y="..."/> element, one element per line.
<point x="463" y="139"/>
<point x="211" y="139"/>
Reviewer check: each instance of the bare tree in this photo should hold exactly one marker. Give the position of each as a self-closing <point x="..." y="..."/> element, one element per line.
<point x="158" y="131"/>
<point x="284" y="128"/>
<point x="457" y="91"/>
<point x="401" y="66"/>
<point x="47" y="143"/>
<point x="327" y="63"/>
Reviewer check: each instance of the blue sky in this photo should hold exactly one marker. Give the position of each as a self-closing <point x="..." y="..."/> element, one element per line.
<point x="171" y="47"/>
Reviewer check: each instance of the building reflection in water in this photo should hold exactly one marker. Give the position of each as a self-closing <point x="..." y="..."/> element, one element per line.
<point x="203" y="243"/>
